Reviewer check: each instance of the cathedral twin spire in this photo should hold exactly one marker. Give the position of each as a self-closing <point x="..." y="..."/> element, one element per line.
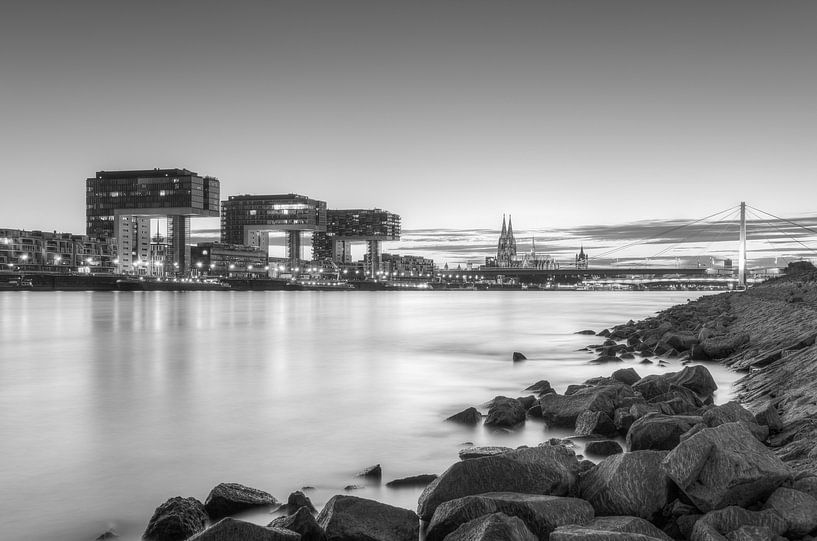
<point x="506" y="249"/>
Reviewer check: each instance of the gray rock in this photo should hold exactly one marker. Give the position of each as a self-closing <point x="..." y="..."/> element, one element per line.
<point x="723" y="466"/>
<point x="769" y="417"/>
<point x="563" y="410"/>
<point x="651" y="386"/>
<point x="695" y="378"/>
<point x="732" y="412"/>
<point x="586" y="331"/>
<point x="351" y="518"/>
<point x="296" y="500"/>
<point x="753" y="533"/>
<point x="176" y="520"/>
<point x="628" y="376"/>
<point x="574" y="388"/>
<point x="603" y="448"/>
<point x="623" y="419"/>
<point x="412" y="481"/>
<point x="719" y="347"/>
<point x="469" y="416"/>
<point x="615" y="528"/>
<point x="595" y="423"/>
<point x="518" y="357"/>
<point x="541" y="387"/>
<point x="549" y="469"/>
<point x="372" y="472"/>
<point x="493" y="527"/>
<point x="627" y="484"/>
<point x="229" y="498"/>
<point x="659" y="432"/>
<point x="797" y="508"/>
<point x="505" y="412"/>
<point x="541" y="514"/>
<point x="303" y="523"/>
<point x="716" y="524"/>
<point x="230" y="529"/>
<point x="807" y="485"/>
<point x="482" y="452"/>
<point x="682" y="341"/>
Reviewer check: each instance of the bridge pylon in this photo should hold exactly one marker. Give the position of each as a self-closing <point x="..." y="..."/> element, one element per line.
<point x="742" y="247"/>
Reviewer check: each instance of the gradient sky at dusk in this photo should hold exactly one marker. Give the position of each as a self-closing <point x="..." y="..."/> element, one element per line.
<point x="448" y="112"/>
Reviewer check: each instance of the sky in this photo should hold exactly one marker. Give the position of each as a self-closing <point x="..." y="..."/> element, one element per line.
<point x="565" y="114"/>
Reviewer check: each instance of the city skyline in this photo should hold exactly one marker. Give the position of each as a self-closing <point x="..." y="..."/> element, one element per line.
<point x="445" y="113"/>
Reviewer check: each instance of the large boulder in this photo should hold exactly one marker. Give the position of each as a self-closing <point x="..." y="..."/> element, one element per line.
<point x="732" y="412"/>
<point x="563" y="410"/>
<point x="548" y="469"/>
<point x="627" y="376"/>
<point x="659" y="432"/>
<point x="682" y="341"/>
<point x="229" y="498"/>
<point x="541" y="514"/>
<point x="719" y="347"/>
<point x="797" y="508"/>
<point x="723" y="466"/>
<point x="595" y="423"/>
<point x="611" y="529"/>
<point x="176" y="520"/>
<point x="603" y="448"/>
<point x="230" y="529"/>
<point x="346" y="518"/>
<point x="651" y="386"/>
<point x="541" y="387"/>
<point x="716" y="524"/>
<point x="468" y="416"/>
<point x="627" y="484"/>
<point x="505" y="412"/>
<point x="492" y="527"/>
<point x="695" y="378"/>
<point x="295" y="501"/>
<point x="303" y="523"/>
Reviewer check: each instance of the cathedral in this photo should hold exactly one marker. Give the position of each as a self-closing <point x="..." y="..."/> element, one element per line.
<point x="506" y="249"/>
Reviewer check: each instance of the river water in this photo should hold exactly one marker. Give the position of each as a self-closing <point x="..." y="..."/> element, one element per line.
<point x="110" y="403"/>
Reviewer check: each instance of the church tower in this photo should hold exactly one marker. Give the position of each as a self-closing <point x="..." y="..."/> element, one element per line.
<point x="506" y="248"/>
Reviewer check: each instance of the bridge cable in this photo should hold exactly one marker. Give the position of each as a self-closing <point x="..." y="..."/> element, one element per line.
<point x="688" y="239"/>
<point x="783" y="233"/>
<point x="662" y="233"/>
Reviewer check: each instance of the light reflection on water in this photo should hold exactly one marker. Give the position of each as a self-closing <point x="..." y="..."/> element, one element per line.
<point x="111" y="403"/>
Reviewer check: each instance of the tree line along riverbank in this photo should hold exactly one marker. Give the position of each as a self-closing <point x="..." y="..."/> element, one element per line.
<point x="689" y="469"/>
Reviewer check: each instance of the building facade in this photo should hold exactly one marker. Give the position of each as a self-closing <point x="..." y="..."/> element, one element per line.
<point x="408" y="267"/>
<point x="229" y="260"/>
<point x="249" y="219"/>
<point x="345" y="227"/>
<point x="51" y="251"/>
<point x="120" y="205"/>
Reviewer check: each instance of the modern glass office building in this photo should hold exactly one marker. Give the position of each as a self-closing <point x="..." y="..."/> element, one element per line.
<point x="345" y="227"/>
<point x="249" y="219"/>
<point x="120" y="204"/>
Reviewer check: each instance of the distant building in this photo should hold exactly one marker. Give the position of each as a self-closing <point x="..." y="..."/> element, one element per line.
<point x="120" y="204"/>
<point x="249" y="219"/>
<point x="506" y="248"/>
<point x="407" y="267"/>
<point x="345" y="227"/>
<point x="581" y="259"/>
<point x="51" y="251"/>
<point x="229" y="260"/>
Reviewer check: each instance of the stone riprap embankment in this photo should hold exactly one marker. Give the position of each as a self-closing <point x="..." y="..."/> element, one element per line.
<point x="687" y="469"/>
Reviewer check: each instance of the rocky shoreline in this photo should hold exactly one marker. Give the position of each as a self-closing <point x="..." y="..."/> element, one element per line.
<point x="690" y="470"/>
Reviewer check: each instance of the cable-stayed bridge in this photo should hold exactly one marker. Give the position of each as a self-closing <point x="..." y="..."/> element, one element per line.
<point x="734" y="226"/>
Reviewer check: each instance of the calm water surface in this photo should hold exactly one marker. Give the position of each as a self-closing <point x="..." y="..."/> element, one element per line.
<point x="111" y="403"/>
